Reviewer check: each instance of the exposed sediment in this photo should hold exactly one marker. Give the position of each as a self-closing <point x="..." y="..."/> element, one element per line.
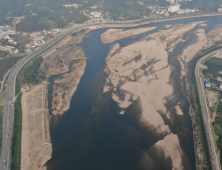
<point x="36" y="147"/>
<point x="69" y="59"/>
<point x="148" y="70"/>
<point x="116" y="34"/>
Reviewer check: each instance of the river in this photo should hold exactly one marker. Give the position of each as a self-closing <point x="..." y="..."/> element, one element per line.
<point x="92" y="135"/>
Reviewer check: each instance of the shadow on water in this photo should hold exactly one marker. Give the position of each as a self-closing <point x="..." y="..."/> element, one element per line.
<point x="92" y="135"/>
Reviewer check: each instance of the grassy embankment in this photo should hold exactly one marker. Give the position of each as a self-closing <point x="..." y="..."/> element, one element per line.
<point x="3" y="54"/>
<point x="6" y="64"/>
<point x="1" y="118"/>
<point x="16" y="139"/>
<point x="194" y="98"/>
<point x="214" y="68"/>
<point x="195" y="103"/>
<point x="3" y="97"/>
<point x="28" y="75"/>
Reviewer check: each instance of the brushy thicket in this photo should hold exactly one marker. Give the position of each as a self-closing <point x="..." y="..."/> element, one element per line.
<point x="214" y="66"/>
<point x="6" y="64"/>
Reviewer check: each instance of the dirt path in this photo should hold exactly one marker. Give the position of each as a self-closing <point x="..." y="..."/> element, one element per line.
<point x="36" y="146"/>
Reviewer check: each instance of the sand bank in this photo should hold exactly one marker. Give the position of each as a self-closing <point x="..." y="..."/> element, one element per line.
<point x="112" y="35"/>
<point x="141" y="71"/>
<point x="59" y="62"/>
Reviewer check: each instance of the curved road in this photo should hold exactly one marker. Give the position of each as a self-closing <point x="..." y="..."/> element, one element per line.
<point x="206" y="112"/>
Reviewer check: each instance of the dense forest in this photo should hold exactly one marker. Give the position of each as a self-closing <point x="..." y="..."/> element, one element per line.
<point x="203" y="5"/>
<point x="31" y="73"/>
<point x="50" y="14"/>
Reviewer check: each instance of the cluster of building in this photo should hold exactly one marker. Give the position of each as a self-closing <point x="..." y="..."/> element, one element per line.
<point x="40" y="38"/>
<point x="36" y="43"/>
<point x="71" y="5"/>
<point x="208" y="85"/>
<point x="157" y="11"/>
<point x="5" y="31"/>
<point x="97" y="15"/>
<point x="36" y="39"/>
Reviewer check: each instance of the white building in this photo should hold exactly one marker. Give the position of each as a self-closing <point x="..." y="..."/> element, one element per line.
<point x="171" y="1"/>
<point x="96" y="14"/>
<point x="174" y="8"/>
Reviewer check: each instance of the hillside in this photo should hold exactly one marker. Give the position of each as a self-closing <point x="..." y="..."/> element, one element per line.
<point x="49" y="14"/>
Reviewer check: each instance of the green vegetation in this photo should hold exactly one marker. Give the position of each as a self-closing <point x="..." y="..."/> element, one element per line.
<point x="59" y="78"/>
<point x="214" y="66"/>
<point x="3" y="54"/>
<point x="6" y="64"/>
<point x="16" y="139"/>
<point x="3" y="97"/>
<point x="195" y="103"/>
<point x="55" y="102"/>
<point x="77" y="33"/>
<point x="18" y="55"/>
<point x="63" y="95"/>
<point x="18" y="85"/>
<point x="66" y="88"/>
<point x="213" y="109"/>
<point x="76" y="61"/>
<point x="31" y="73"/>
<point x="1" y="119"/>
<point x="50" y="14"/>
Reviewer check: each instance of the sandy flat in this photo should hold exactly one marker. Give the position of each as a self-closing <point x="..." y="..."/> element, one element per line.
<point x="112" y="35"/>
<point x="36" y="147"/>
<point x="71" y="81"/>
<point x="171" y="148"/>
<point x="190" y="51"/>
<point x="141" y="71"/>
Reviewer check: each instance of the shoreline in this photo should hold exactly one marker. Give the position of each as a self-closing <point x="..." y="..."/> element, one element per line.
<point x="184" y="17"/>
<point x="140" y="22"/>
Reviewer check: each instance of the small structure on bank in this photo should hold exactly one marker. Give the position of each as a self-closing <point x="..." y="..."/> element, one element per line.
<point x="220" y="87"/>
<point x="207" y="84"/>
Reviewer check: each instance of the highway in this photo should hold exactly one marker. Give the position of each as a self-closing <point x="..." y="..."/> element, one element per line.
<point x="206" y="112"/>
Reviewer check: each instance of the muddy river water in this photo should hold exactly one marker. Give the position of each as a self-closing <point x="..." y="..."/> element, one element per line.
<point x="92" y="135"/>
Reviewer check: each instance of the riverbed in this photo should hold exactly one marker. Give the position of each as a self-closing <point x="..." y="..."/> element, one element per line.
<point x="92" y="135"/>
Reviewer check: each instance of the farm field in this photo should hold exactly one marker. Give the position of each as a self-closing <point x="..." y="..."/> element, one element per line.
<point x="3" y="54"/>
<point x="214" y="67"/>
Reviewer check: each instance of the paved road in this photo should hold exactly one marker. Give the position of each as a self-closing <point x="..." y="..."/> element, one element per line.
<point x="8" y="106"/>
<point x="206" y="112"/>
